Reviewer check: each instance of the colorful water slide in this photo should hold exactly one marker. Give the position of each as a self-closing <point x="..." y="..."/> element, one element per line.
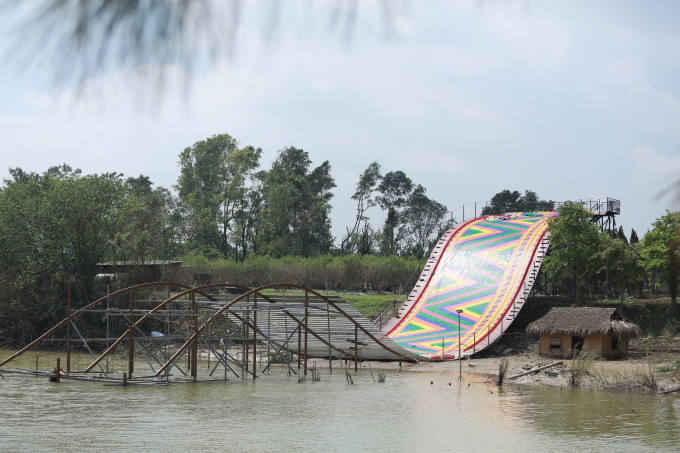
<point x="480" y="273"/>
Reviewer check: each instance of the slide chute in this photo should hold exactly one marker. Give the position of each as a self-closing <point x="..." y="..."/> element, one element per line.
<point x="485" y="269"/>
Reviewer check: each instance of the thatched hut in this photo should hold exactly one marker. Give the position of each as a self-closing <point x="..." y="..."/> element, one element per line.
<point x="601" y="331"/>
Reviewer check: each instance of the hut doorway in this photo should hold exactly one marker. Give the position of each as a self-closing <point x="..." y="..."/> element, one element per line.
<point x="576" y="343"/>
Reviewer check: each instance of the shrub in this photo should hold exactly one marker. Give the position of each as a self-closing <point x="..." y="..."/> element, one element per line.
<point x="579" y="367"/>
<point x="338" y="273"/>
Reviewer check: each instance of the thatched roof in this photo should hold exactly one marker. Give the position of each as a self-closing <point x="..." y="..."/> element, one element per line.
<point x="582" y="321"/>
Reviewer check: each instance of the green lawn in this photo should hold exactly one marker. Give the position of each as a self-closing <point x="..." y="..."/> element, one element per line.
<point x="374" y="304"/>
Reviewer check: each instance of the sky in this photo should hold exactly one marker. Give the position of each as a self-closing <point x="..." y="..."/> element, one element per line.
<point x="572" y="100"/>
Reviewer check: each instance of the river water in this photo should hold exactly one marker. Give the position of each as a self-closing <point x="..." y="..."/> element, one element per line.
<point x="406" y="413"/>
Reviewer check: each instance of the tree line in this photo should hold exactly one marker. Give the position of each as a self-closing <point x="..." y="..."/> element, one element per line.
<point x="581" y="251"/>
<point x="234" y="218"/>
<point x="228" y="208"/>
<point x="55" y="226"/>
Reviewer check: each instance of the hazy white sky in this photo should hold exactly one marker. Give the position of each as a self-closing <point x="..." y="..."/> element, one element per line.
<point x="571" y="100"/>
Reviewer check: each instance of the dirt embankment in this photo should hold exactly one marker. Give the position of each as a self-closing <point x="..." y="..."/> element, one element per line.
<point x="641" y="371"/>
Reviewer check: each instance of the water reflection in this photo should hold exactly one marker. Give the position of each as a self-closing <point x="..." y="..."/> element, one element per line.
<point x="584" y="414"/>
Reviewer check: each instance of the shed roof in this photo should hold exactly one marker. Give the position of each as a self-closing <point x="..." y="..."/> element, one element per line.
<point x="583" y="321"/>
<point x="139" y="263"/>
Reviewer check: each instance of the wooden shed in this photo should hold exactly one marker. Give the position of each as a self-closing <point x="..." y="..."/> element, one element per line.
<point x="144" y="272"/>
<point x="603" y="332"/>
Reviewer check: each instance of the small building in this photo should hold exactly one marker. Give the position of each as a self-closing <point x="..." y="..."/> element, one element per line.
<point x="144" y="272"/>
<point x="603" y="332"/>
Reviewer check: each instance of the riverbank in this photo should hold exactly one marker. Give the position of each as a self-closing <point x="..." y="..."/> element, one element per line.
<point x="629" y="375"/>
<point x="641" y="371"/>
<point x="653" y="372"/>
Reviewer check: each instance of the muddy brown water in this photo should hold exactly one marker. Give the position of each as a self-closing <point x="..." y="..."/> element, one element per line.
<point x="407" y="413"/>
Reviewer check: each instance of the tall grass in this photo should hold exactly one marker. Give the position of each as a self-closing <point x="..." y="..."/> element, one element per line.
<point x="649" y="376"/>
<point x="338" y="273"/>
<point x="581" y="362"/>
<point x="502" y="370"/>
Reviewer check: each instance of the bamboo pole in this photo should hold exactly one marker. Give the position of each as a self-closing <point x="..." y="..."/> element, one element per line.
<point x="68" y="331"/>
<point x="535" y="370"/>
<point x="255" y="337"/>
<point x="194" y="356"/>
<point x="306" y="324"/>
<point x="299" y="346"/>
<point x="131" y="340"/>
<point x="356" y="347"/>
<point x="246" y="358"/>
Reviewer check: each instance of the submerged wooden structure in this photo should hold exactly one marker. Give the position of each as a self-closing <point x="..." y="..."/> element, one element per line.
<point x="244" y="329"/>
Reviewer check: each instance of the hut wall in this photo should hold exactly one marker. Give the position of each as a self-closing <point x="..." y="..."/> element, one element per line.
<point x="593" y="344"/>
<point x="598" y="345"/>
<point x="174" y="271"/>
<point x="545" y="348"/>
<point x="607" y="350"/>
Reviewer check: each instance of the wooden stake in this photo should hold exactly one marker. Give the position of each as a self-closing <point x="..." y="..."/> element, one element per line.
<point x="299" y="344"/>
<point x="255" y="338"/>
<point x="356" y="347"/>
<point x="131" y="340"/>
<point x="68" y="332"/>
<point x="194" y="356"/>
<point x="306" y="324"/>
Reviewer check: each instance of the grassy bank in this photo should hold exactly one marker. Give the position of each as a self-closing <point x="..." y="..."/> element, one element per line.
<point x="368" y="304"/>
<point x="337" y="273"/>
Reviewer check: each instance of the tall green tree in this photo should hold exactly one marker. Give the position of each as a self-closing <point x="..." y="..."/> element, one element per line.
<point x="576" y="245"/>
<point x="621" y="235"/>
<point x="395" y="189"/>
<point x="624" y="262"/>
<point x="296" y="205"/>
<point x="359" y="237"/>
<point x="54" y="228"/>
<point x="213" y="181"/>
<point x="531" y="202"/>
<point x="80" y="216"/>
<point x="146" y="229"/>
<point x="424" y="219"/>
<point x="661" y="251"/>
<point x="634" y="237"/>
<point x="507" y="201"/>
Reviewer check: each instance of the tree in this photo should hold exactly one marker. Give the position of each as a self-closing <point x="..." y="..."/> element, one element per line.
<point x="423" y="219"/>
<point x="625" y="264"/>
<point x="506" y="201"/>
<point x="81" y="216"/>
<point x="296" y="205"/>
<point x="54" y="228"/>
<point x="661" y="251"/>
<point x="212" y="182"/>
<point x="621" y="235"/>
<point x="359" y="238"/>
<point x="576" y="244"/>
<point x="394" y="189"/>
<point x="633" y="237"/>
<point x="531" y="202"/>
<point x="146" y="229"/>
